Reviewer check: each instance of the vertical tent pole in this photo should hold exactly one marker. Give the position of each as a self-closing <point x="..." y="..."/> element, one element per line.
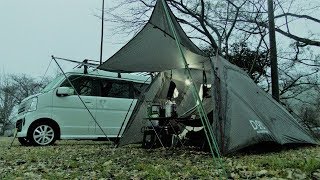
<point x="124" y="120"/>
<point x="200" y="108"/>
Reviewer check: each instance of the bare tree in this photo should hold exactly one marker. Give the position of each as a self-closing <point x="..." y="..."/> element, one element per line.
<point x="7" y="101"/>
<point x="310" y="116"/>
<point x="216" y="22"/>
<point x="224" y="24"/>
<point x="13" y="89"/>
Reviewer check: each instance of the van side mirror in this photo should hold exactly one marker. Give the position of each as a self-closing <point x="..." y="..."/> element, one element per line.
<point x="65" y="91"/>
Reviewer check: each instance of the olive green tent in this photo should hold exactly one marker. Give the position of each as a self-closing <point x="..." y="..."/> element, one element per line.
<point x="243" y="114"/>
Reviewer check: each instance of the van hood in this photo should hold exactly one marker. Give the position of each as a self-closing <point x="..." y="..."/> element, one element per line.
<point x="30" y="97"/>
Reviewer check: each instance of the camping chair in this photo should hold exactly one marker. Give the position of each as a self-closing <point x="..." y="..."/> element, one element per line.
<point x="166" y="130"/>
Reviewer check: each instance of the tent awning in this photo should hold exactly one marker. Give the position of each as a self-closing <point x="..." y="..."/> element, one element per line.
<point x="154" y="49"/>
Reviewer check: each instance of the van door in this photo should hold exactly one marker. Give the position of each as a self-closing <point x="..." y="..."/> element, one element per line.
<point x="114" y="105"/>
<point x="74" y="119"/>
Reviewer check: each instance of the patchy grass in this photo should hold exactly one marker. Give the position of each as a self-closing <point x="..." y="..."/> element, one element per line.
<point x="96" y="160"/>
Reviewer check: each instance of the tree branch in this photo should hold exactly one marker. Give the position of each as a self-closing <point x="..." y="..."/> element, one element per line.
<point x="292" y="36"/>
<point x="298" y="16"/>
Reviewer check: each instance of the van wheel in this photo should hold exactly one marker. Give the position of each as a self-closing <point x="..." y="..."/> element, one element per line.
<point x="24" y="141"/>
<point x="42" y="134"/>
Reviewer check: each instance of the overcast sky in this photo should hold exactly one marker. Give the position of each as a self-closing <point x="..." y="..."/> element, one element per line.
<point x="33" y="30"/>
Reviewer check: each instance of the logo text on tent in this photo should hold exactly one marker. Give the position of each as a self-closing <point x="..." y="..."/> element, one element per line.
<point x="258" y="126"/>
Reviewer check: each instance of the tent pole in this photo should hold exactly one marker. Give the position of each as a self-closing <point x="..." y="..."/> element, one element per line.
<point x="117" y="144"/>
<point x="195" y="94"/>
<point x="124" y="121"/>
<point x="79" y="97"/>
<point x="200" y="107"/>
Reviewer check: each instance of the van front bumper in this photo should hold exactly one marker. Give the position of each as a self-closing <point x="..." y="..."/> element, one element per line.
<point x="19" y="124"/>
<point x="22" y="124"/>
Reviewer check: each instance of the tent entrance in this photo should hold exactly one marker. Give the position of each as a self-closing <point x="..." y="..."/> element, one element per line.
<point x="171" y="87"/>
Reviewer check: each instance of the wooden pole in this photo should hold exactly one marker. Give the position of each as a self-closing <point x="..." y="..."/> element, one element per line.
<point x="273" y="53"/>
<point x="102" y="24"/>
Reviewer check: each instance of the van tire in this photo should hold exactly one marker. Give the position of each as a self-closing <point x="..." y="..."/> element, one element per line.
<point x="24" y="141"/>
<point x="42" y="134"/>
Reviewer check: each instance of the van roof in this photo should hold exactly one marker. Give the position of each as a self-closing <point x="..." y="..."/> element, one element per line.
<point x="124" y="76"/>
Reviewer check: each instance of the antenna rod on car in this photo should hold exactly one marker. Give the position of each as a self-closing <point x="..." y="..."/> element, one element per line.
<point x="102" y="27"/>
<point x="102" y="24"/>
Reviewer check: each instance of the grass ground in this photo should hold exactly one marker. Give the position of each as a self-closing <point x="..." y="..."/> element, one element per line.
<point x="100" y="160"/>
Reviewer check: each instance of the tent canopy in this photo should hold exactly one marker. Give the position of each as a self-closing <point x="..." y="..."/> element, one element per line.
<point x="154" y="49"/>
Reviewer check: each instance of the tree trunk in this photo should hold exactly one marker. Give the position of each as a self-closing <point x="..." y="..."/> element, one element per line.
<point x="273" y="52"/>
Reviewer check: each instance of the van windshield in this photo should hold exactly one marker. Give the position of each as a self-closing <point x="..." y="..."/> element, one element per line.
<point x="52" y="84"/>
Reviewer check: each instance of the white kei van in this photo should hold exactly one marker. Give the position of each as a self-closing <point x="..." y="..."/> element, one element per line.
<point x="58" y="113"/>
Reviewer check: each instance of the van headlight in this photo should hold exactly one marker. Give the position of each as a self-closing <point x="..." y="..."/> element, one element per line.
<point x="33" y="104"/>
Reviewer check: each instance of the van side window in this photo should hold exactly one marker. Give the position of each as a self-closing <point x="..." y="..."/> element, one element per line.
<point x="83" y="85"/>
<point x="114" y="88"/>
